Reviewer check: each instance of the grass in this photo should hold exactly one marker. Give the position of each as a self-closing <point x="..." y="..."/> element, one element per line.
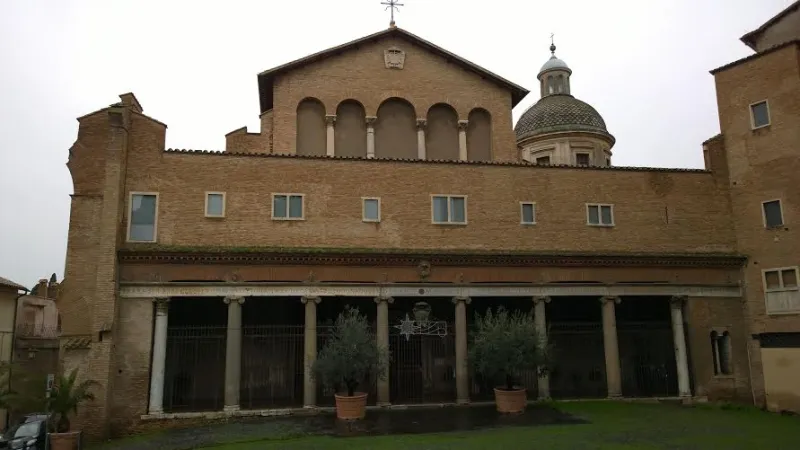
<point x="613" y="426"/>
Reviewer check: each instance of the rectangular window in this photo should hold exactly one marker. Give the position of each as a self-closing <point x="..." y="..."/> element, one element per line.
<point x="142" y="217"/>
<point x="759" y="114"/>
<point x="600" y="215"/>
<point x="215" y="204"/>
<point x="371" y="209"/>
<point x="582" y="159"/>
<point x="449" y="209"/>
<point x="781" y="292"/>
<point x="543" y="160"/>
<point x="528" y="211"/>
<point x="288" y="207"/>
<point x="773" y="214"/>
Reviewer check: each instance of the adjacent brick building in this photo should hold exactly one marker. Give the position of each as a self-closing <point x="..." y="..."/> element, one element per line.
<point x="386" y="175"/>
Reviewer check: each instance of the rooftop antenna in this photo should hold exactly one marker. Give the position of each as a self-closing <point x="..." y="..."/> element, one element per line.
<point x="392" y="5"/>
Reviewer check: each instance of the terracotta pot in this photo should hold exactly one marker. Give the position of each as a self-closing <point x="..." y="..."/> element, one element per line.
<point x="64" y="441"/>
<point x="511" y="402"/>
<point x="351" y="408"/>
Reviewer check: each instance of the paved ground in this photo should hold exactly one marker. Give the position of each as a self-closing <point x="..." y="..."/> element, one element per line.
<point x="378" y="422"/>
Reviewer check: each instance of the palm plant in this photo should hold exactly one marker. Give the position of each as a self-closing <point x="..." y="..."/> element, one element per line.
<point x="64" y="399"/>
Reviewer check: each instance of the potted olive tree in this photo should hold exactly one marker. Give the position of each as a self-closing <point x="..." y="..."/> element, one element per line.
<point x="65" y="397"/>
<point x="506" y="345"/>
<point x="349" y="357"/>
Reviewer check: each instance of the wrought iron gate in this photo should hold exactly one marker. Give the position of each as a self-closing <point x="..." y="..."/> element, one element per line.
<point x="272" y="366"/>
<point x="422" y="367"/>
<point x="194" y="378"/>
<point x="647" y="359"/>
<point x="578" y="369"/>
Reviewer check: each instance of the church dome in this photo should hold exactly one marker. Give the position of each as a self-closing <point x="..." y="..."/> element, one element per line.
<point x="559" y="112"/>
<point x="554" y="63"/>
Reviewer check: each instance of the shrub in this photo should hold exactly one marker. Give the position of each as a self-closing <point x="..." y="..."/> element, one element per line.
<point x="506" y="345"/>
<point x="350" y="355"/>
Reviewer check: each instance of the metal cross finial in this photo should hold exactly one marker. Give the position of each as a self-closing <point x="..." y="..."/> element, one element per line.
<point x="551" y="37"/>
<point x="391" y="5"/>
<point x="552" y="44"/>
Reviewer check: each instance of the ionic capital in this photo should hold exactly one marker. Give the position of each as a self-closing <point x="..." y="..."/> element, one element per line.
<point x="463" y="124"/>
<point x="330" y="119"/>
<point x="421" y="124"/>
<point x="541" y="299"/>
<point x="232" y="299"/>
<point x="371" y="120"/>
<point x="388" y="300"/>
<point x="607" y="299"/>
<point x="465" y="300"/>
<point x="313" y="299"/>
<point x="677" y="301"/>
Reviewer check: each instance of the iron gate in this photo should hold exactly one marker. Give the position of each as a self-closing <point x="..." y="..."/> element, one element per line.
<point x="578" y="368"/>
<point x="647" y="359"/>
<point x="194" y="378"/>
<point x="272" y="366"/>
<point x="422" y="367"/>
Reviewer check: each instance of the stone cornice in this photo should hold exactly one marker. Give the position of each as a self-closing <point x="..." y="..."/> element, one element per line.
<point x="383" y="257"/>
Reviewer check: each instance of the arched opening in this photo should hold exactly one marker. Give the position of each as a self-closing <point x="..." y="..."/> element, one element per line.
<point x="721" y="352"/>
<point x="550" y="89"/>
<point x="395" y="130"/>
<point x="441" y="136"/>
<point x="311" y="127"/>
<point x="351" y="129"/>
<point x="479" y="135"/>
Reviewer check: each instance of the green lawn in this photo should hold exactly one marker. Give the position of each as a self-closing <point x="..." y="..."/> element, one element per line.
<point x="613" y="426"/>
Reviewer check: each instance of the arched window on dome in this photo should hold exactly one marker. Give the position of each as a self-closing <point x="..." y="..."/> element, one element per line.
<point x="550" y="86"/>
<point x="560" y="84"/>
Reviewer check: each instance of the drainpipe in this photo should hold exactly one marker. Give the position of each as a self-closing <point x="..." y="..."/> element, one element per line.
<point x="13" y="341"/>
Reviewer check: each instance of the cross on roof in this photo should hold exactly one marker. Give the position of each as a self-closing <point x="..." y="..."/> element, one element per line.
<point x="391" y="5"/>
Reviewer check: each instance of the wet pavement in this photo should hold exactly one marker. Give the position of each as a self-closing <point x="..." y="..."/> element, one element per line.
<point x="377" y="422"/>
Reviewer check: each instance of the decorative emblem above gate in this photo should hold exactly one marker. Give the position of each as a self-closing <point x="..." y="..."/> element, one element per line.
<point x="394" y="58"/>
<point x="421" y="324"/>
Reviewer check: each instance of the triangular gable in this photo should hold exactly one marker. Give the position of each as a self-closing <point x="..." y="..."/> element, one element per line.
<point x="266" y="78"/>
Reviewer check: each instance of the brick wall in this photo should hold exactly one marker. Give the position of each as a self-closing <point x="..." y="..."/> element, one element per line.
<point x="361" y="74"/>
<point x="763" y="165"/>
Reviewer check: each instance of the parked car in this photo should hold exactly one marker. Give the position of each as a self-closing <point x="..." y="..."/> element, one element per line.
<point x="29" y="434"/>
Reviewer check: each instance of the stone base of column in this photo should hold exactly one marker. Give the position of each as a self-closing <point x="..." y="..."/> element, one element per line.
<point x="614" y="396"/>
<point x="462" y="401"/>
<point x="383" y="404"/>
<point x="230" y="408"/>
<point x="154" y="412"/>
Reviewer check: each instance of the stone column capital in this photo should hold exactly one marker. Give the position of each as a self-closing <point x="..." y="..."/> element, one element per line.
<point x="330" y="119"/>
<point x="465" y="300"/>
<point x="315" y="300"/>
<point x="162" y="305"/>
<point x="677" y="301"/>
<point x="541" y="299"/>
<point x="370" y="120"/>
<point x="608" y="298"/>
<point x="463" y="124"/>
<point x="387" y="300"/>
<point x="234" y="299"/>
<point x="421" y="124"/>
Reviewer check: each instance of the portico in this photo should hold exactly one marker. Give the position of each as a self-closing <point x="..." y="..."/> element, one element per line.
<point x="378" y="297"/>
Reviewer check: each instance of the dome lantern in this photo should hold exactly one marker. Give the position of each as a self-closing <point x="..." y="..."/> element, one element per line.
<point x="554" y="75"/>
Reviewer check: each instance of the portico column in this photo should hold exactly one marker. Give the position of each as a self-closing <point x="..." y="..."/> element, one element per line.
<point x="310" y="351"/>
<point x="159" y="356"/>
<point x="383" y="343"/>
<point x="462" y="139"/>
<point x="462" y="370"/>
<point x="611" y="346"/>
<point x="421" y="138"/>
<point x="541" y="327"/>
<point x="679" y="339"/>
<point x="233" y="353"/>
<point x="330" y="120"/>
<point x="371" y="136"/>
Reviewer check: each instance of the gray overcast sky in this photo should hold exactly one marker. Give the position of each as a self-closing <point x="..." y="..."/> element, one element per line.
<point x="193" y="64"/>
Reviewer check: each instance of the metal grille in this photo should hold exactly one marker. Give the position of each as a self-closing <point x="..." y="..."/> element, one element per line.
<point x="422" y="368"/>
<point x="578" y="369"/>
<point x="647" y="359"/>
<point x="195" y="369"/>
<point x="272" y="366"/>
